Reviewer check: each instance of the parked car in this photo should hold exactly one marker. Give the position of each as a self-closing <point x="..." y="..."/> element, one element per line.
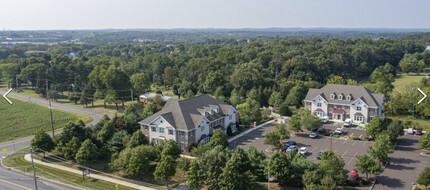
<point x="419" y="132"/>
<point x="303" y="151"/>
<point x="347" y="123"/>
<point x="353" y="176"/>
<point x="321" y="129"/>
<point x="291" y="148"/>
<point x="283" y="148"/>
<point x="313" y="135"/>
<point x="338" y="131"/>
<point x="411" y="131"/>
<point x="289" y="143"/>
<point x="324" y="119"/>
<point x="319" y="154"/>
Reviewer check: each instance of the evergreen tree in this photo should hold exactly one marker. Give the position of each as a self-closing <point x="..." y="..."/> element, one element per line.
<point x="195" y="177"/>
<point x="219" y="138"/>
<point x="88" y="153"/>
<point x="236" y="173"/>
<point x="138" y="138"/>
<point x="165" y="169"/>
<point x="43" y="142"/>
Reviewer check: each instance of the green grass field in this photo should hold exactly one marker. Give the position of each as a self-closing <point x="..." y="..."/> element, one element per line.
<point x="24" y="118"/>
<point x="19" y="163"/>
<point x="403" y="82"/>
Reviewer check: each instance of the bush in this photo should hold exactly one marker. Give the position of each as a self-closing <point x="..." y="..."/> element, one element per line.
<point x="355" y="138"/>
<point x="335" y="136"/>
<point x="190" y="146"/>
<point x="353" y="183"/>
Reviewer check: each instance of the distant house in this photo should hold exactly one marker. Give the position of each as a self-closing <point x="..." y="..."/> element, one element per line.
<point x="340" y="102"/>
<point x="144" y="97"/>
<point x="190" y="120"/>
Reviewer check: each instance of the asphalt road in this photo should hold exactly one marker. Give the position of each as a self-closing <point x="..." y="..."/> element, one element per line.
<point x="14" y="180"/>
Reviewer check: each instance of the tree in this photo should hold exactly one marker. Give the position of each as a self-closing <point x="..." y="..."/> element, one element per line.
<point x="184" y="164"/>
<point x="375" y="127"/>
<point x="368" y="165"/>
<point x="235" y="98"/>
<point x="311" y="179"/>
<point x="219" y="138"/>
<point x="332" y="166"/>
<point x="117" y="83"/>
<point x="425" y="141"/>
<point x="138" y="138"/>
<point x="189" y="94"/>
<point x="424" y="177"/>
<point x="200" y="149"/>
<point x="213" y="81"/>
<point x="279" y="167"/>
<point x="257" y="162"/>
<point x="88" y="153"/>
<point x="213" y="162"/>
<point x="296" y="95"/>
<point x="236" y="174"/>
<point x="274" y="137"/>
<point x="71" y="148"/>
<point x="309" y="121"/>
<point x="327" y="183"/>
<point x="138" y="163"/>
<point x="294" y="123"/>
<point x="172" y="149"/>
<point x="43" y="142"/>
<point x="336" y="80"/>
<point x="116" y="144"/>
<point x="165" y="169"/>
<point x="195" y="176"/>
<point x="249" y="111"/>
<point x="140" y="83"/>
<point x="168" y="77"/>
<point x="276" y="99"/>
<point x="351" y="82"/>
<point x="107" y="132"/>
<point x="381" y="148"/>
<point x="284" y="110"/>
<point x="74" y="97"/>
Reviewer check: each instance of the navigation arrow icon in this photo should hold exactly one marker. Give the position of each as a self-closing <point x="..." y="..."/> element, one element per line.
<point x="5" y="94"/>
<point x="425" y="96"/>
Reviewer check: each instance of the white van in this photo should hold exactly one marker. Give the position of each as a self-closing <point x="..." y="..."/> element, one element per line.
<point x="347" y="123"/>
<point x="324" y="119"/>
<point x="411" y="131"/>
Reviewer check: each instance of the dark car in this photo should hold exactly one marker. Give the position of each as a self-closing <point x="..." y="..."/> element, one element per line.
<point x="319" y="154"/>
<point x="289" y="143"/>
<point x="419" y="132"/>
<point x="283" y="148"/>
<point x="353" y="176"/>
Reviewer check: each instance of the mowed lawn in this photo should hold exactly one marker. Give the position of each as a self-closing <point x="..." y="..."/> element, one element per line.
<point x="403" y="81"/>
<point x="24" y="118"/>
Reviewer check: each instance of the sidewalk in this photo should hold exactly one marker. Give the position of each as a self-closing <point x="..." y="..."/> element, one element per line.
<point x="250" y="130"/>
<point x="104" y="178"/>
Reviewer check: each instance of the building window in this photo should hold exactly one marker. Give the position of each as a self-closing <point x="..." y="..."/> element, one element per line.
<point x="318" y="104"/>
<point x="170" y="132"/>
<point x="182" y="145"/>
<point x="358" y="118"/>
<point x="348" y="98"/>
<point x="358" y="108"/>
<point x="346" y="107"/>
<point x="340" y="97"/>
<point x="320" y="114"/>
<point x="161" y="130"/>
<point x="145" y="127"/>
<point x="182" y="134"/>
<point x="332" y="96"/>
<point x="206" y="140"/>
<point x="161" y="121"/>
<point x="153" y="129"/>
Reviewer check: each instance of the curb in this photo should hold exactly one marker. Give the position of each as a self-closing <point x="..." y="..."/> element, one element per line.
<point x="249" y="130"/>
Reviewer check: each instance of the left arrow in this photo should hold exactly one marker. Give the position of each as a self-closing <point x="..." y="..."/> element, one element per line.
<point x="5" y="94"/>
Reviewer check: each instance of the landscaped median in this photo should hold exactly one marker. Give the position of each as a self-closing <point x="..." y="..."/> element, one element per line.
<point x="73" y="177"/>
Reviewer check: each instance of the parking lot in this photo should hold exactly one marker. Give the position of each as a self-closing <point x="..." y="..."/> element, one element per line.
<point x="347" y="149"/>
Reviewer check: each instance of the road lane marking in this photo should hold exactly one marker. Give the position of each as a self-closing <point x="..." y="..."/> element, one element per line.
<point x="360" y="136"/>
<point x="16" y="185"/>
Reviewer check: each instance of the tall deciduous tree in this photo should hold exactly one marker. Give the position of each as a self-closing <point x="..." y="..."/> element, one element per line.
<point x="213" y="162"/>
<point x="236" y="174"/>
<point x="138" y="138"/>
<point x="195" y="176"/>
<point x="368" y="165"/>
<point x="279" y="167"/>
<point x="42" y="141"/>
<point x="140" y="83"/>
<point x="107" y="132"/>
<point x="165" y="169"/>
<point x="218" y="139"/>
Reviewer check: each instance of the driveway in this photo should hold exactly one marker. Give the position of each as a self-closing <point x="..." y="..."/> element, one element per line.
<point x="404" y="166"/>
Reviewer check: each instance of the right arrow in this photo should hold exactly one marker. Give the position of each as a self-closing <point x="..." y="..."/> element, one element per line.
<point x="425" y="96"/>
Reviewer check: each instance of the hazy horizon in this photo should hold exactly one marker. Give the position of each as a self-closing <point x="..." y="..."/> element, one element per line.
<point x="220" y="14"/>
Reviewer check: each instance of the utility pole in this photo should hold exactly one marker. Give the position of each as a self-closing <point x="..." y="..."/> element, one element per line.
<point x="131" y="90"/>
<point x="34" y="170"/>
<point x="16" y="78"/>
<point x="50" y="108"/>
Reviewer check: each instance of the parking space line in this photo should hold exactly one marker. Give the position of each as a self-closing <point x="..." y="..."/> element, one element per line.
<point x="360" y="136"/>
<point x="344" y="154"/>
<point x="352" y="134"/>
<point x="354" y="143"/>
<point x="345" y="141"/>
<point x="363" y="144"/>
<point x="352" y="158"/>
<point x="313" y="149"/>
<point x="326" y="139"/>
<point x="335" y="140"/>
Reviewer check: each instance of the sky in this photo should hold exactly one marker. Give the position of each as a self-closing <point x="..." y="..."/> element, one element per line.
<point x="126" y="14"/>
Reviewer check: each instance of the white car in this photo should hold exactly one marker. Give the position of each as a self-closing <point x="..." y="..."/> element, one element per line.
<point x="313" y="135"/>
<point x="303" y="151"/>
<point x="292" y="147"/>
<point x="324" y="119"/>
<point x="338" y="131"/>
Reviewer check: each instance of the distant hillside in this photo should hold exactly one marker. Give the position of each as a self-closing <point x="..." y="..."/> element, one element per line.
<point x="420" y="37"/>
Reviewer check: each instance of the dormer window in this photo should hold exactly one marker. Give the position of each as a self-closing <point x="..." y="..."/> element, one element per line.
<point x="332" y="96"/>
<point x="348" y="98"/>
<point x="340" y="97"/>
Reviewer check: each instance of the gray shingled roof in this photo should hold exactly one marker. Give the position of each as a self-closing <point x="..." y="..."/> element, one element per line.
<point x="369" y="97"/>
<point x="185" y="114"/>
